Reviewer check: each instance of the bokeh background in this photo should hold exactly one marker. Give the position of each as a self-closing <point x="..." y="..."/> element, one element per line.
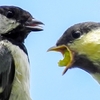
<point x="47" y="82"/>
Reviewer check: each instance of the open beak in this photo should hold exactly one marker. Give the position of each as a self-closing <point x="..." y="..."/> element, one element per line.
<point x="68" y="55"/>
<point x="34" y="25"/>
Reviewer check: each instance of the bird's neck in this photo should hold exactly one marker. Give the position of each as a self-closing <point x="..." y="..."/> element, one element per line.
<point x="18" y="34"/>
<point x="17" y="37"/>
<point x="92" y="68"/>
<point x="14" y="42"/>
<point x="96" y="76"/>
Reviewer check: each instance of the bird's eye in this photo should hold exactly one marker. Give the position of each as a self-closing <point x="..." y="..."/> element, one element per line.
<point x="76" y="34"/>
<point x="9" y="14"/>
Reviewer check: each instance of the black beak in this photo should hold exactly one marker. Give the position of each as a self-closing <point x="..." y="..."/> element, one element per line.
<point x="34" y="25"/>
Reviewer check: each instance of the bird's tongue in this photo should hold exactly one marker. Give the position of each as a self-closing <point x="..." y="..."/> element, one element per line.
<point x="68" y="55"/>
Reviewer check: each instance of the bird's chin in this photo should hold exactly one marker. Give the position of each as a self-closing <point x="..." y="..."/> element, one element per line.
<point x="68" y="55"/>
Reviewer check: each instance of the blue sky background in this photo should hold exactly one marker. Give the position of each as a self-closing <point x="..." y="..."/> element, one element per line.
<point x="47" y="82"/>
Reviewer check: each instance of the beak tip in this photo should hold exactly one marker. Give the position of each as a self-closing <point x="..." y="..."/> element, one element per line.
<point x="51" y="49"/>
<point x="65" y="70"/>
<point x="63" y="74"/>
<point x="42" y="23"/>
<point x="48" y="50"/>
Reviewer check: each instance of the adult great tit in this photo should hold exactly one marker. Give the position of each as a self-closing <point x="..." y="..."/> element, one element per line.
<point x="15" y="25"/>
<point x="83" y="42"/>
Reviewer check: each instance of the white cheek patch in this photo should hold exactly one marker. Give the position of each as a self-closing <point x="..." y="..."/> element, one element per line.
<point x="7" y="24"/>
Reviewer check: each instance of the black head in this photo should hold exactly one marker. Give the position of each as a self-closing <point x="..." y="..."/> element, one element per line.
<point x="76" y="31"/>
<point x="16" y="23"/>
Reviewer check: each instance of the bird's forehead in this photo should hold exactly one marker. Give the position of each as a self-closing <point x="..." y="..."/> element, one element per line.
<point x="84" y="28"/>
<point x="67" y="36"/>
<point x="19" y="14"/>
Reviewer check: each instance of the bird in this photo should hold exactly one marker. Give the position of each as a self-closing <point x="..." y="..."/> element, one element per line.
<point x="15" y="25"/>
<point x="83" y="42"/>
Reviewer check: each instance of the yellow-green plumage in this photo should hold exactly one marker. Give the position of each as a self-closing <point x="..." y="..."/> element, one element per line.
<point x="89" y="45"/>
<point x="83" y="42"/>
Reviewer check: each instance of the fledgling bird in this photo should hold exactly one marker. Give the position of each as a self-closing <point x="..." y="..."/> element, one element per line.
<point x="15" y="25"/>
<point x="83" y="40"/>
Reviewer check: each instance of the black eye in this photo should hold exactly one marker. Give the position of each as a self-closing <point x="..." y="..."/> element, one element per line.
<point x="76" y="34"/>
<point x="10" y="14"/>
